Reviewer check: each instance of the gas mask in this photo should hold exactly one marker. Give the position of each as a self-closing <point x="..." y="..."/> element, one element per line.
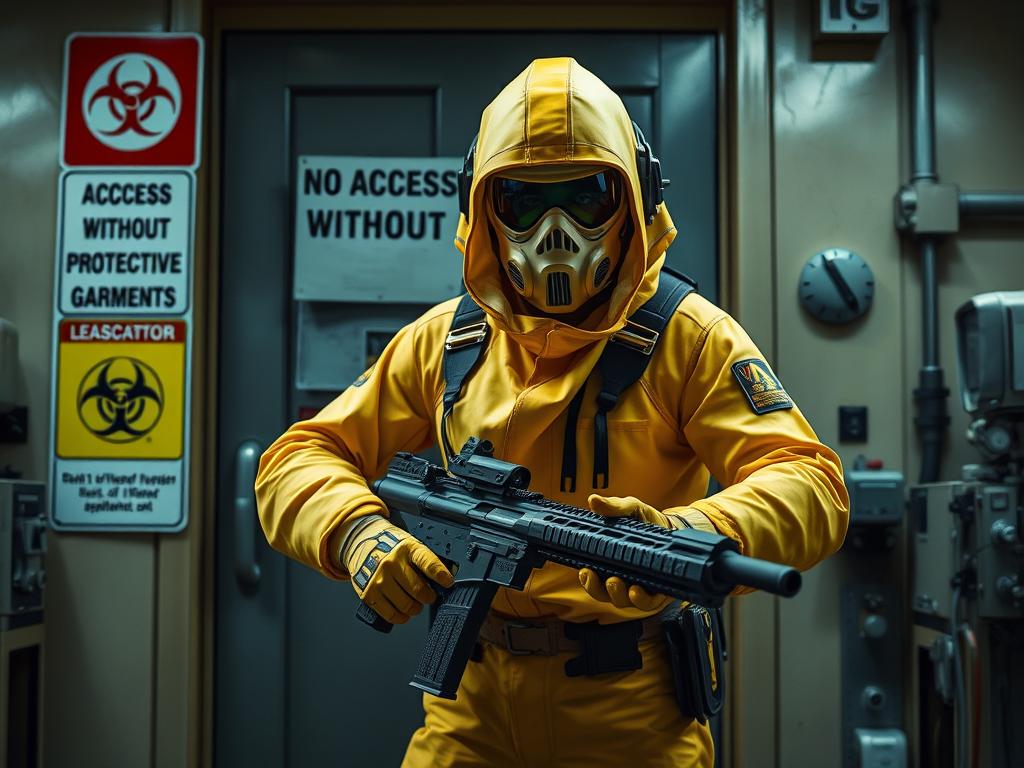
<point x="561" y="232"/>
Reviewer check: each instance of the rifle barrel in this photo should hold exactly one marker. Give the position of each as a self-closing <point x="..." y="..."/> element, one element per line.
<point x="734" y="568"/>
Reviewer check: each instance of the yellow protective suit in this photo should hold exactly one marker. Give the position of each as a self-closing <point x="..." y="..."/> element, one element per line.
<point x="784" y="498"/>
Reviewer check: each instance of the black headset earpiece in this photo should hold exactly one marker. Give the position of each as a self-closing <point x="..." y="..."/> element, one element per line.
<point x="648" y="168"/>
<point x="465" y="178"/>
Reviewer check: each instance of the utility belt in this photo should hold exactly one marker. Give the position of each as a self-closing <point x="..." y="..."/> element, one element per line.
<point x="693" y="638"/>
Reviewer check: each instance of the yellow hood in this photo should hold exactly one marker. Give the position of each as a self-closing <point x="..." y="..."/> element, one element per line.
<point x="556" y="112"/>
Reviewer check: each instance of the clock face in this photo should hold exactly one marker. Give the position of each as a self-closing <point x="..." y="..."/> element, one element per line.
<point x="836" y="286"/>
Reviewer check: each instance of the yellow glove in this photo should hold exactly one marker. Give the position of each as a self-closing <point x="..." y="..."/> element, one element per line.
<point x="614" y="590"/>
<point x="388" y="567"/>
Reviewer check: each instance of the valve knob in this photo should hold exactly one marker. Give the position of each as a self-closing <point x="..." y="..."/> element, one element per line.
<point x="875" y="626"/>
<point x="1004" y="533"/>
<point x="1009" y="587"/>
<point x="873" y="698"/>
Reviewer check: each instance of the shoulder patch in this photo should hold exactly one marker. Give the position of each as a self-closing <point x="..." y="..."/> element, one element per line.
<point x="760" y="385"/>
<point x="364" y="376"/>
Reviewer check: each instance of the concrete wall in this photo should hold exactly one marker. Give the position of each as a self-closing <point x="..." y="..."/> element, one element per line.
<point x="108" y="684"/>
<point x="840" y="152"/>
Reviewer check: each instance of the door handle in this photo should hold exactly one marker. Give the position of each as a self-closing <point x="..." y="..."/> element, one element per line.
<point x="247" y="570"/>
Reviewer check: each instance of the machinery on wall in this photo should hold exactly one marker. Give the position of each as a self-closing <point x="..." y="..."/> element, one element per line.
<point x="22" y="578"/>
<point x="966" y="599"/>
<point x="968" y="558"/>
<point x="871" y="627"/>
<point x="925" y="211"/>
<point x="966" y="540"/>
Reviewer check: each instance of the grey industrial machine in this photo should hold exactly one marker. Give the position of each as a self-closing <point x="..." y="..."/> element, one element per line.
<point x="22" y="547"/>
<point x="968" y="558"/>
<point x="871" y="625"/>
<point x="22" y="577"/>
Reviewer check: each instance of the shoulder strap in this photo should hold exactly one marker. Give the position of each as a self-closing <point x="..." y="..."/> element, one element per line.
<point x="463" y="349"/>
<point x="624" y="360"/>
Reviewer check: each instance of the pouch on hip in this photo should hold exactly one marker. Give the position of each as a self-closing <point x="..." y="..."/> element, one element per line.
<point x="695" y="640"/>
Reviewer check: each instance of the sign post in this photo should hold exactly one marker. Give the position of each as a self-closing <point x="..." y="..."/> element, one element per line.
<point x="121" y="383"/>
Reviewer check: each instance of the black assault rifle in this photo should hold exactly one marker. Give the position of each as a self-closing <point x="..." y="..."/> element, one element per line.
<point x="491" y="532"/>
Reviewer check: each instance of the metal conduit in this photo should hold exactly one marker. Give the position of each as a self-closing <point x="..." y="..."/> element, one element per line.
<point x="993" y="204"/>
<point x="929" y="306"/>
<point x="922" y="110"/>
<point x="931" y="394"/>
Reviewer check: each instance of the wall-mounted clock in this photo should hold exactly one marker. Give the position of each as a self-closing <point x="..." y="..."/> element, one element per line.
<point x="836" y="286"/>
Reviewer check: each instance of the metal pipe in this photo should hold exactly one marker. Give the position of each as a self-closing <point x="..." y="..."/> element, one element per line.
<point x="931" y="394"/>
<point x="994" y="204"/>
<point x="922" y="114"/>
<point x="929" y="305"/>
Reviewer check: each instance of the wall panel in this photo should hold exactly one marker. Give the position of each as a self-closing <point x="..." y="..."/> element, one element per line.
<point x="100" y="597"/>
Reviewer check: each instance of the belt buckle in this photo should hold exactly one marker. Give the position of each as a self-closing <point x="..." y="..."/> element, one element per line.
<point x="548" y="648"/>
<point x="605" y="648"/>
<point x="639" y="337"/>
<point x="461" y="337"/>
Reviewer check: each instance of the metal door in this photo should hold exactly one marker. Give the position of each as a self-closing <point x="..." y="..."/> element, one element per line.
<point x="298" y="681"/>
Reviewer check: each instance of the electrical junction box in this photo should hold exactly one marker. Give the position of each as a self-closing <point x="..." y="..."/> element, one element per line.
<point x="876" y="496"/>
<point x="853" y="423"/>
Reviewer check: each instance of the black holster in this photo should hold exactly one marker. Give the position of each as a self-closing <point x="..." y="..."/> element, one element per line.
<point x="694" y="638"/>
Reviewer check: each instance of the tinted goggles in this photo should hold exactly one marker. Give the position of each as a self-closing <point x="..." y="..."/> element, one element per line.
<point x="590" y="201"/>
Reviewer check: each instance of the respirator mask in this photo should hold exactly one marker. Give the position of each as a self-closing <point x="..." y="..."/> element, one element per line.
<point x="561" y="240"/>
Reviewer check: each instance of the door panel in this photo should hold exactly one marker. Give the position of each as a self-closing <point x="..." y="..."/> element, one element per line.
<point x="298" y="680"/>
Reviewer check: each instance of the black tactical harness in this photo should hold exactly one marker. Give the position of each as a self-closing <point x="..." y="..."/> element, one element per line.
<point x="623" y="362"/>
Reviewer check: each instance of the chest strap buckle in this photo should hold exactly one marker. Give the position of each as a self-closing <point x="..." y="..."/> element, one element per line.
<point x="462" y="337"/>
<point x="637" y="336"/>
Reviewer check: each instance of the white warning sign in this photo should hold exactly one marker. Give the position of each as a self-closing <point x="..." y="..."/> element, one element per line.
<point x="125" y="243"/>
<point x="376" y="229"/>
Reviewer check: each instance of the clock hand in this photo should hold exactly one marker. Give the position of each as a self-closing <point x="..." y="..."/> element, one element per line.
<point x="840" y="282"/>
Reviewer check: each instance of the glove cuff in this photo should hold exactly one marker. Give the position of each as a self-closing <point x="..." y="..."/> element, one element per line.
<point x="345" y="536"/>
<point x="691" y="518"/>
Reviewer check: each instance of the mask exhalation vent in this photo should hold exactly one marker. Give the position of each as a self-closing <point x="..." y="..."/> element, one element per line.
<point x="602" y="271"/>
<point x="516" y="276"/>
<point x="559" y="292"/>
<point x="556" y="238"/>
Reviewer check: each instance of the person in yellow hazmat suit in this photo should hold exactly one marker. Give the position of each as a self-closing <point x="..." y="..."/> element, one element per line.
<point x="562" y="245"/>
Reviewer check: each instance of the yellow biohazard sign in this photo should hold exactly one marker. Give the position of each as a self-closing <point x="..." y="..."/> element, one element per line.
<point x="121" y="389"/>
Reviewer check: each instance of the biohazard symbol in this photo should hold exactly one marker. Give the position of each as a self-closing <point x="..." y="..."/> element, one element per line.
<point x="131" y="102"/>
<point x="120" y="399"/>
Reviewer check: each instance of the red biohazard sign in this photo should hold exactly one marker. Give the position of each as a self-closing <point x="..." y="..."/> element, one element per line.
<point x="132" y="100"/>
